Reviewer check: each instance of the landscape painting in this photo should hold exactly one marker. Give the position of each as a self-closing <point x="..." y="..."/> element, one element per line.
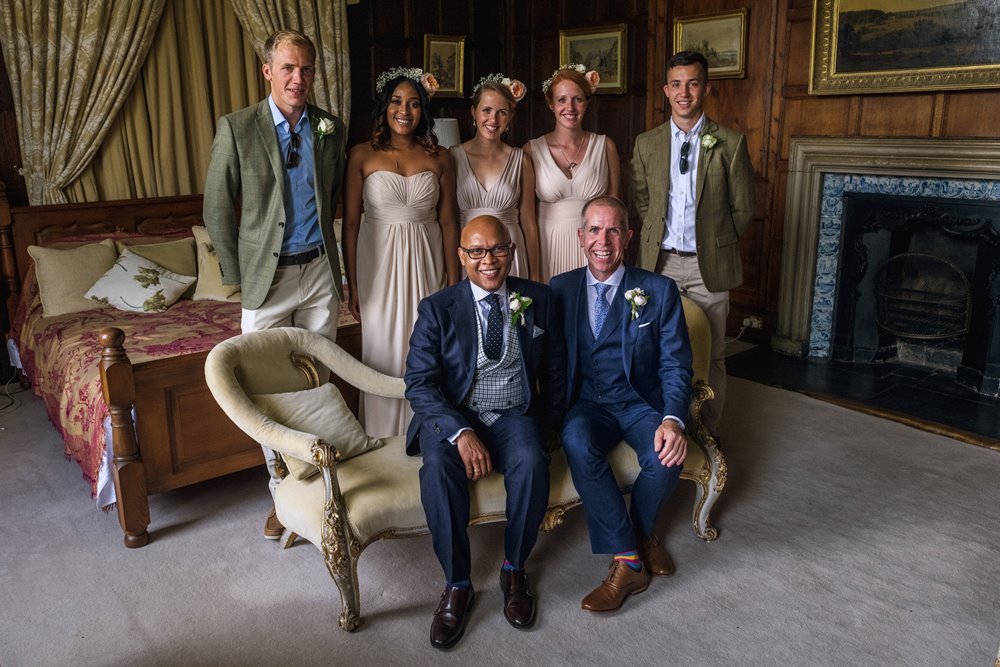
<point x="720" y="37"/>
<point x="872" y="46"/>
<point x="600" y="49"/>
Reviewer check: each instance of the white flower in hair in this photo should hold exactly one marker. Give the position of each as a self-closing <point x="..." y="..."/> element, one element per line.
<point x="593" y="77"/>
<point x="425" y="79"/>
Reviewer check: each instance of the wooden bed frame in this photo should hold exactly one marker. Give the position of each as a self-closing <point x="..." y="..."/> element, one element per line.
<point x="180" y="436"/>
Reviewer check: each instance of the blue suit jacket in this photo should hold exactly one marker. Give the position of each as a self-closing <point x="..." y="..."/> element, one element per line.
<point x="441" y="364"/>
<point x="656" y="352"/>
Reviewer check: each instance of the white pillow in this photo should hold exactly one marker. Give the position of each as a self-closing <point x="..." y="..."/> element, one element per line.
<point x="139" y="285"/>
<point x="210" y="287"/>
<point x="323" y="413"/>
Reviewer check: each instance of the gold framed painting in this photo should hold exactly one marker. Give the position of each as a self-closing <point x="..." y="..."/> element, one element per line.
<point x="889" y="46"/>
<point x="444" y="57"/>
<point x="602" y="49"/>
<point x="721" y="37"/>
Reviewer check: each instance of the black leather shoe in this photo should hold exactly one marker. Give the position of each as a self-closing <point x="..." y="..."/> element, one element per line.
<point x="448" y="625"/>
<point x="518" y="602"/>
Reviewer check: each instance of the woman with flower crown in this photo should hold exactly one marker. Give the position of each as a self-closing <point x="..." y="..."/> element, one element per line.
<point x="407" y="246"/>
<point x="571" y="166"/>
<point x="494" y="178"/>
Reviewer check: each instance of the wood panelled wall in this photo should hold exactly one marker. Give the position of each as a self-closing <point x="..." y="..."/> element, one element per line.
<point x="521" y="38"/>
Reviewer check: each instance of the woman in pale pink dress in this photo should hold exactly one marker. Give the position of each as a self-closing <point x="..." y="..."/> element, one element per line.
<point x="407" y="247"/>
<point x="571" y="167"/>
<point x="494" y="178"/>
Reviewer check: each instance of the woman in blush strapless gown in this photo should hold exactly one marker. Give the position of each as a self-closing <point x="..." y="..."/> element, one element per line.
<point x="407" y="246"/>
<point x="571" y="167"/>
<point x="493" y="178"/>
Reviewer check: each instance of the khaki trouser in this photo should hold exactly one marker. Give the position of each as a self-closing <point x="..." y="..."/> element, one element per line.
<point x="685" y="272"/>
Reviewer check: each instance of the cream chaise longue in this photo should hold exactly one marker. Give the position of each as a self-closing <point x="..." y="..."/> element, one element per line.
<point x="344" y="490"/>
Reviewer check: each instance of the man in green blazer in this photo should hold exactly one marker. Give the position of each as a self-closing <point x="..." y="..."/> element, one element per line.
<point x="692" y="188"/>
<point x="271" y="195"/>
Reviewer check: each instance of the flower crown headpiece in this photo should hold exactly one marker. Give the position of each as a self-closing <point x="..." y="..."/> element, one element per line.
<point x="414" y="74"/>
<point x="516" y="88"/>
<point x="592" y="77"/>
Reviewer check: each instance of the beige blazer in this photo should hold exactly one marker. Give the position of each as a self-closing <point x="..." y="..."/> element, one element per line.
<point x="724" y="197"/>
<point x="247" y="174"/>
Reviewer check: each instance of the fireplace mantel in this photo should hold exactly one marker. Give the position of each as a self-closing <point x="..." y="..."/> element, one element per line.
<point x="811" y="159"/>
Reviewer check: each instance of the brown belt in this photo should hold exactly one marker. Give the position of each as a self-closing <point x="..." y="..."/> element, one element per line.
<point x="679" y="253"/>
<point x="301" y="257"/>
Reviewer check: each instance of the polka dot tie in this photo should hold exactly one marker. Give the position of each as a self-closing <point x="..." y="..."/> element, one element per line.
<point x="601" y="307"/>
<point x="493" y="340"/>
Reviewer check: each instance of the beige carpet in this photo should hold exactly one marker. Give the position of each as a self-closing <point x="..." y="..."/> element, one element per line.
<point x="845" y="540"/>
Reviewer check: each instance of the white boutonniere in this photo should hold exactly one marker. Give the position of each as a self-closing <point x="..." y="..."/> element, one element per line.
<point x="637" y="299"/>
<point x="708" y="141"/>
<point x="324" y="127"/>
<point x="518" y="304"/>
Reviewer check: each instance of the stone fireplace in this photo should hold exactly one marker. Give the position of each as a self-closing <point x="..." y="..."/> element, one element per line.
<point x="892" y="251"/>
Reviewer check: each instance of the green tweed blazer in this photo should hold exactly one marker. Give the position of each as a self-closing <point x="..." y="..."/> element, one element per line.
<point x="247" y="174"/>
<point x="724" y="200"/>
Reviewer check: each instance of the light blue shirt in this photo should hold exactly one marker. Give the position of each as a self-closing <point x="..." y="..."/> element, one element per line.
<point x="613" y="282"/>
<point x="681" y="207"/>
<point x="302" y="230"/>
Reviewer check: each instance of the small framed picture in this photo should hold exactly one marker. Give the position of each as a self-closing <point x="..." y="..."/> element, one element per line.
<point x="444" y="57"/>
<point x="720" y="37"/>
<point x="602" y="49"/>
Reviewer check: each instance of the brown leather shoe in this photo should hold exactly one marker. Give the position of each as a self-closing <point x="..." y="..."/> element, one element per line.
<point x="655" y="557"/>
<point x="448" y="625"/>
<point x="272" y="527"/>
<point x="621" y="582"/>
<point x="518" y="602"/>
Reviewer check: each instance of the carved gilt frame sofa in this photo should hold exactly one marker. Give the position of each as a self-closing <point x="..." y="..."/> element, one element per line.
<point x="376" y="494"/>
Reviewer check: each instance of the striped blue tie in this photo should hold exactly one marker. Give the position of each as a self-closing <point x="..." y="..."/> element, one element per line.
<point x="601" y="307"/>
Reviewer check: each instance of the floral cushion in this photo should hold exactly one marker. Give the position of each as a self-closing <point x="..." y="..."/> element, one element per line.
<point x="210" y="287"/>
<point x="139" y="285"/>
<point x="64" y="273"/>
<point x="323" y="413"/>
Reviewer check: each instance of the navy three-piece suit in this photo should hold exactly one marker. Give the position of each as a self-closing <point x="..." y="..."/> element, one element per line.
<point x="440" y="371"/>
<point x="620" y="386"/>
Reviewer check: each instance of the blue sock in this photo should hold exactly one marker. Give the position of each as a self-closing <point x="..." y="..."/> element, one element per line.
<point x="463" y="583"/>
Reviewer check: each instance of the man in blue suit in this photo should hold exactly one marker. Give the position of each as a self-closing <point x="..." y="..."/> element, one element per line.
<point x="628" y="378"/>
<point x="485" y="376"/>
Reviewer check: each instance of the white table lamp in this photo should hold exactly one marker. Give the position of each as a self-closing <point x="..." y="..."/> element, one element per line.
<point x="446" y="130"/>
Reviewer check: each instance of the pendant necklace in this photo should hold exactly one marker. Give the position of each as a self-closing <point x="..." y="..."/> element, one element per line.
<point x="571" y="164"/>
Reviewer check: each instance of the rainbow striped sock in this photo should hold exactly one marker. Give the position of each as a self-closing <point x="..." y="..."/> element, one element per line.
<point x="507" y="566"/>
<point x="630" y="558"/>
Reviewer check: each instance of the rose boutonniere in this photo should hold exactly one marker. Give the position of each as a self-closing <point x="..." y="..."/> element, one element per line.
<point x="324" y="127"/>
<point x="708" y="141"/>
<point x="637" y="299"/>
<point x="518" y="304"/>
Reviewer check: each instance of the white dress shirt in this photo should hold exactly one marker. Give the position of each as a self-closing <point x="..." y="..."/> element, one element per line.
<point x="679" y="233"/>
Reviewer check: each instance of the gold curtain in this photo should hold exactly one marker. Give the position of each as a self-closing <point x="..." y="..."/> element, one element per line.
<point x="71" y="65"/>
<point x="201" y="66"/>
<point x="325" y="23"/>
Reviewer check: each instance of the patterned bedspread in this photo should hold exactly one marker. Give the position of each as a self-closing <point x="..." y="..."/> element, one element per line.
<point x="60" y="356"/>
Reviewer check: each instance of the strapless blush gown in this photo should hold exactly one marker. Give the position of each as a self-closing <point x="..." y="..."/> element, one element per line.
<point x="400" y="261"/>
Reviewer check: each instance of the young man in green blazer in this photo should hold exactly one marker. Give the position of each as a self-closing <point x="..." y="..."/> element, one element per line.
<point x="271" y="195"/>
<point x="692" y="188"/>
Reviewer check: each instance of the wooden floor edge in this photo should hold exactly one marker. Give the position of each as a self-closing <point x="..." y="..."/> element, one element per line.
<point x="968" y="437"/>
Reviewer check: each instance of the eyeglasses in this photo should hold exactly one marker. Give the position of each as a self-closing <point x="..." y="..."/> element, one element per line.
<point x="501" y="250"/>
<point x="294" y="141"/>
<point x="685" y="149"/>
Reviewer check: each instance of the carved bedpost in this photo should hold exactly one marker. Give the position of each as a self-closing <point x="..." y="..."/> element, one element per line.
<point x="128" y="470"/>
<point x="8" y="261"/>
